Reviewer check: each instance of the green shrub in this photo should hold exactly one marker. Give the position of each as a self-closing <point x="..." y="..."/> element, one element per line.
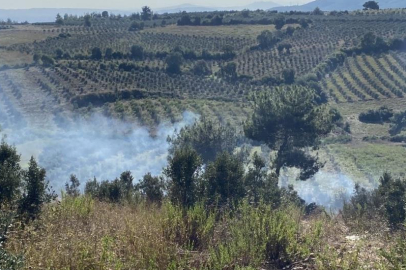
<point x="208" y="137"/>
<point x="396" y="255"/>
<point x="192" y="228"/>
<point x="262" y="234"/>
<point x="224" y="180"/>
<point x="387" y="202"/>
<point x="383" y="114"/>
<point x="183" y="173"/>
<point x="152" y="188"/>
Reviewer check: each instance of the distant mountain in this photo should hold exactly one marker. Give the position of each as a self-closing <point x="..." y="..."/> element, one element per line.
<point x="47" y="14"/>
<point x="329" y="5"/>
<point x="258" y="5"/>
<point x="183" y="7"/>
<point x="194" y="8"/>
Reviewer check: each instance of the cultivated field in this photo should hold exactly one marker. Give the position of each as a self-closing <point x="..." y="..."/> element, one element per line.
<point x="140" y="90"/>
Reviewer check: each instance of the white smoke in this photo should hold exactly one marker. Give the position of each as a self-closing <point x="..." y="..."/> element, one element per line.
<point x="329" y="189"/>
<point x="97" y="146"/>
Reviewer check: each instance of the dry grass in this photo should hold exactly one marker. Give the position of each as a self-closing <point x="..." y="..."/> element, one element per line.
<point x="89" y="235"/>
<point x="84" y="234"/>
<point x="12" y="58"/>
<point x="247" y="31"/>
<point x="24" y="34"/>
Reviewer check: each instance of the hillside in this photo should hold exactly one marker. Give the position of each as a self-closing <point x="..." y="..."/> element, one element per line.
<point x="205" y="140"/>
<point x="47" y="14"/>
<point x="38" y="15"/>
<point x="350" y="5"/>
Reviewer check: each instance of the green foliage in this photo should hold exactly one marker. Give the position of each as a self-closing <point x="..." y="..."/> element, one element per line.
<point x="185" y="19"/>
<point x="362" y="209"/>
<point x="208" y="137"/>
<point x="396" y="255"/>
<point x="229" y="72"/>
<point x="261" y="186"/>
<point x="398" y="123"/>
<point x="382" y="115"/>
<point x="146" y="13"/>
<point x="266" y="39"/>
<point x="386" y="202"/>
<point x="110" y="191"/>
<point x="152" y="188"/>
<point x="279" y="22"/>
<point x="92" y="188"/>
<point x="287" y="120"/>
<point x="47" y="60"/>
<point x="135" y="26"/>
<point x="36" y="191"/>
<point x="183" y="173"/>
<point x="10" y="174"/>
<point x="288" y="76"/>
<point x="59" y="19"/>
<point x="371" y="5"/>
<point x="88" y="22"/>
<point x="9" y="261"/>
<point x="228" y="52"/>
<point x="72" y="187"/>
<point x="224" y="180"/>
<point x="393" y="194"/>
<point x="201" y="68"/>
<point x="317" y="11"/>
<point x="370" y="42"/>
<point x="137" y="52"/>
<point x="262" y="234"/>
<point x="80" y="206"/>
<point x="192" y="228"/>
<point x="115" y="191"/>
<point x="96" y="54"/>
<point x="126" y="182"/>
<point x="173" y="63"/>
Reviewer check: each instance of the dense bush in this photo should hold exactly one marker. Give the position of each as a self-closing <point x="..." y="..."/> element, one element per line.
<point x="152" y="188"/>
<point x="117" y="190"/>
<point x="183" y="173"/>
<point x="23" y="192"/>
<point x="267" y="39"/>
<point x="225" y="180"/>
<point x="72" y="187"/>
<point x="10" y="174"/>
<point x="173" y="63"/>
<point x="201" y="68"/>
<point x="386" y="202"/>
<point x="398" y="123"/>
<point x="381" y="115"/>
<point x="208" y="137"/>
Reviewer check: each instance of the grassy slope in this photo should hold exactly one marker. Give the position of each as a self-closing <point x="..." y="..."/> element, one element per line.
<point x="84" y="234"/>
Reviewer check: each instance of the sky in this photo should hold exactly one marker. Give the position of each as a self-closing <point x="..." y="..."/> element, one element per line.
<point x="130" y="4"/>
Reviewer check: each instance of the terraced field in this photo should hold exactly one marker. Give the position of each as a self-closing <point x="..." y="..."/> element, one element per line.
<point x="368" y="77"/>
<point x="140" y="90"/>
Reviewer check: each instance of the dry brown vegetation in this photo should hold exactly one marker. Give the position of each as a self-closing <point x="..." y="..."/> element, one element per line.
<point x="80" y="233"/>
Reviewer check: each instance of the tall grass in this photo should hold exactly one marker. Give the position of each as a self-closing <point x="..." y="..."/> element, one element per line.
<point x="81" y="233"/>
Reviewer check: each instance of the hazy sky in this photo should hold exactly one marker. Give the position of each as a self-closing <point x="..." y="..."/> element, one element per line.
<point x="128" y="4"/>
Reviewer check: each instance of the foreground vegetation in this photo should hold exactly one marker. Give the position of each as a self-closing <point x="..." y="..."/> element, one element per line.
<point x="84" y="233"/>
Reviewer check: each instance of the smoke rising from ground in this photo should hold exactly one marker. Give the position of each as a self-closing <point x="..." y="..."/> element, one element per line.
<point x="96" y="147"/>
<point x="330" y="189"/>
<point x="102" y="147"/>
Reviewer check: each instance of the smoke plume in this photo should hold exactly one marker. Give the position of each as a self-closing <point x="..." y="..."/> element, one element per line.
<point x="97" y="146"/>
